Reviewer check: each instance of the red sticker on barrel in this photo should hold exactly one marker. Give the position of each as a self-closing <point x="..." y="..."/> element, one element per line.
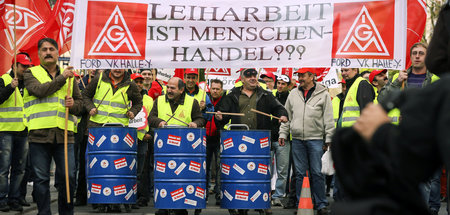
<point x="190" y="202"/>
<point x="199" y="192"/>
<point x="228" y="195"/>
<point x="91" y="139"/>
<point x="239" y="169"/>
<point x="101" y="140"/>
<point x="160" y="167"/>
<point x="180" y="168"/>
<point x="132" y="164"/>
<point x="262" y="169"/>
<point x="241" y="195"/>
<point x="177" y="194"/>
<point x="195" y="167"/>
<point x="120" y="163"/>
<point x="248" y="139"/>
<point x="93" y="161"/>
<point x="135" y="188"/>
<point x="228" y="143"/>
<point x="129" y="195"/>
<point x="204" y="141"/>
<point x="226" y="169"/>
<point x="255" y="196"/>
<point x="120" y="190"/>
<point x="129" y="140"/>
<point x="194" y="145"/>
<point x="96" y="188"/>
<point x="264" y="142"/>
<point x="174" y="140"/>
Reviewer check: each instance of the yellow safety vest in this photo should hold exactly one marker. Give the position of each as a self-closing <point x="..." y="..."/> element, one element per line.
<point x="12" y="115"/>
<point x="335" y="102"/>
<point x="148" y="104"/>
<point x="201" y="95"/>
<point x="350" y="110"/>
<point x="113" y="108"/>
<point x="47" y="112"/>
<point x="183" y="111"/>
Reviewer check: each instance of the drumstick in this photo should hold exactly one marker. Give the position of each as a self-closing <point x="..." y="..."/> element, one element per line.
<point x="224" y="113"/>
<point x="265" y="114"/>
<point x="179" y="120"/>
<point x="126" y="103"/>
<point x="102" y="98"/>
<point x="170" y="117"/>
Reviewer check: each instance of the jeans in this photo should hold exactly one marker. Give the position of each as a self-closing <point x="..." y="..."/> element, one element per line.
<point x="13" y="154"/>
<point x="81" y="185"/>
<point x="281" y="154"/>
<point x="41" y="158"/>
<point x="307" y="155"/>
<point x="142" y="178"/>
<point x="213" y="149"/>
<point x="431" y="191"/>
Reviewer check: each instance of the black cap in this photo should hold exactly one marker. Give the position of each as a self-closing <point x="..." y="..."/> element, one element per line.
<point x="249" y="72"/>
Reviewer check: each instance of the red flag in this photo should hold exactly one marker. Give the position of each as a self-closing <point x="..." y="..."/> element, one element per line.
<point x="65" y="11"/>
<point x="417" y="17"/>
<point x="30" y="18"/>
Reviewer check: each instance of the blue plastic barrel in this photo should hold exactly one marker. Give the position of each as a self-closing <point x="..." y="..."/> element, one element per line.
<point x="180" y="168"/>
<point x="245" y="164"/>
<point x="111" y="165"/>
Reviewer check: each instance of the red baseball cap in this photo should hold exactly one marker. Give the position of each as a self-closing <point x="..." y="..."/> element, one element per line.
<point x="375" y="73"/>
<point x="22" y="59"/>
<point x="269" y="75"/>
<point x="342" y="82"/>
<point x="305" y="70"/>
<point x="191" y="71"/>
<point x="136" y="75"/>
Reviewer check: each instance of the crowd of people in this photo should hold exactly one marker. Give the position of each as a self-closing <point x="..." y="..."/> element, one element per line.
<point x="308" y="117"/>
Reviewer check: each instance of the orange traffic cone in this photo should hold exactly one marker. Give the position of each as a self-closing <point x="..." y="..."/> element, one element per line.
<point x="305" y="205"/>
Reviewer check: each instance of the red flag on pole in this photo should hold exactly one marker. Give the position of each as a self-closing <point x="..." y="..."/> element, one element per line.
<point x="417" y="18"/>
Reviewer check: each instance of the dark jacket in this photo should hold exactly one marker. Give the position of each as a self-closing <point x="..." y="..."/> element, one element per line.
<point x="438" y="52"/>
<point x="265" y="102"/>
<point x="281" y="97"/>
<point x="133" y="94"/>
<point x="365" y="94"/>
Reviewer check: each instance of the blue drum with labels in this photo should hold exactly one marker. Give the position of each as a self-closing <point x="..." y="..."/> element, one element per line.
<point x="111" y="165"/>
<point x="245" y="169"/>
<point x="180" y="168"/>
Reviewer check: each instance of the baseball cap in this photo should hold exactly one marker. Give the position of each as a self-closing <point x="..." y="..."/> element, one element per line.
<point x="305" y="70"/>
<point x="22" y="59"/>
<point x="342" y="82"/>
<point x="269" y="75"/>
<point x="136" y="75"/>
<point x="284" y="78"/>
<point x="191" y="71"/>
<point x="375" y="73"/>
<point x="249" y="72"/>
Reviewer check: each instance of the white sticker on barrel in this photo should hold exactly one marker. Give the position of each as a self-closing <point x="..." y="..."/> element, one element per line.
<point x="190" y="136"/>
<point x="93" y="161"/>
<point x="221" y="195"/>
<point x="262" y="169"/>
<point x="264" y="142"/>
<point x="200" y="193"/>
<point x="120" y="163"/>
<point x="265" y="197"/>
<point x="91" y="139"/>
<point x="177" y="194"/>
<point x="248" y="139"/>
<point x="255" y="196"/>
<point x="190" y="189"/>
<point x="135" y="188"/>
<point x="160" y="143"/>
<point x="242" y="148"/>
<point x="241" y="195"/>
<point x="251" y="166"/>
<point x="172" y="164"/>
<point x="129" y="140"/>
<point x="228" y="195"/>
<point x="204" y="165"/>
<point x="107" y="191"/>
<point x="228" y="143"/>
<point x="89" y="194"/>
<point x="195" y="167"/>
<point x="160" y="166"/>
<point x="129" y="194"/>
<point x="104" y="163"/>
<point x="204" y="141"/>
<point x="163" y="193"/>
<point x="101" y="140"/>
<point x="174" y="140"/>
<point x="221" y="148"/>
<point x="156" y="195"/>
<point x="132" y="164"/>
<point x="239" y="169"/>
<point x="194" y="145"/>
<point x="180" y="168"/>
<point x="96" y="188"/>
<point x="120" y="189"/>
<point x="226" y="169"/>
<point x="156" y="136"/>
<point x="114" y="138"/>
<point x="190" y="202"/>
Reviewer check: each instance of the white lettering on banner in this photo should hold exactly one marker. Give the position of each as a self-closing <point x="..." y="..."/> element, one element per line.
<point x="120" y="190"/>
<point x="91" y="139"/>
<point x="129" y="140"/>
<point x="100" y="141"/>
<point x="93" y="161"/>
<point x="248" y="139"/>
<point x="132" y="164"/>
<point x="226" y="169"/>
<point x="195" y="167"/>
<point x="241" y="195"/>
<point x="160" y="166"/>
<point x="194" y="146"/>
<point x="228" y="195"/>
<point x="129" y="194"/>
<point x="190" y="202"/>
<point x="264" y="142"/>
<point x="120" y="163"/>
<point x="174" y="140"/>
<point x="177" y="194"/>
<point x="239" y="169"/>
<point x="262" y="169"/>
<point x="255" y="196"/>
<point x="180" y="168"/>
<point x="200" y="193"/>
<point x="96" y="188"/>
<point x="228" y="143"/>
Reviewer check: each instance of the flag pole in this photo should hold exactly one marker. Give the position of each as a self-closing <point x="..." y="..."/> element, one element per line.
<point x="66" y="142"/>
<point x="15" y="53"/>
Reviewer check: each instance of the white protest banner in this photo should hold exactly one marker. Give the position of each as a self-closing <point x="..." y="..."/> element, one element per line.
<point x="239" y="34"/>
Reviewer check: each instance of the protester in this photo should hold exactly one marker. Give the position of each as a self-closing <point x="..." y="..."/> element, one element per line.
<point x="378" y="78"/>
<point x="147" y="74"/>
<point x="365" y="74"/>
<point x="192" y="89"/>
<point x="270" y="79"/>
<point x="45" y="101"/>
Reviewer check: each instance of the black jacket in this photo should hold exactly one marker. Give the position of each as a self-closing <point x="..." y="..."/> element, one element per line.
<point x="281" y="97"/>
<point x="438" y="52"/>
<point x="265" y="102"/>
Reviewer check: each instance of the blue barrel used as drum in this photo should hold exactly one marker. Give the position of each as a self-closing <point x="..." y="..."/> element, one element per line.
<point x="180" y="168"/>
<point x="245" y="164"/>
<point x="111" y="165"/>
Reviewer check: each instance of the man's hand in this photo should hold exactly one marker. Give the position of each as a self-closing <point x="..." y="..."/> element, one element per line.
<point x="130" y="115"/>
<point x="202" y="105"/>
<point x="372" y="117"/>
<point x="192" y="125"/>
<point x="15" y="83"/>
<point x="162" y="124"/>
<point x="281" y="141"/>
<point x="283" y="119"/>
<point x="402" y="76"/>
<point x="219" y="115"/>
<point x="69" y="101"/>
<point x="68" y="72"/>
<point x="325" y="146"/>
<point x="93" y="111"/>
